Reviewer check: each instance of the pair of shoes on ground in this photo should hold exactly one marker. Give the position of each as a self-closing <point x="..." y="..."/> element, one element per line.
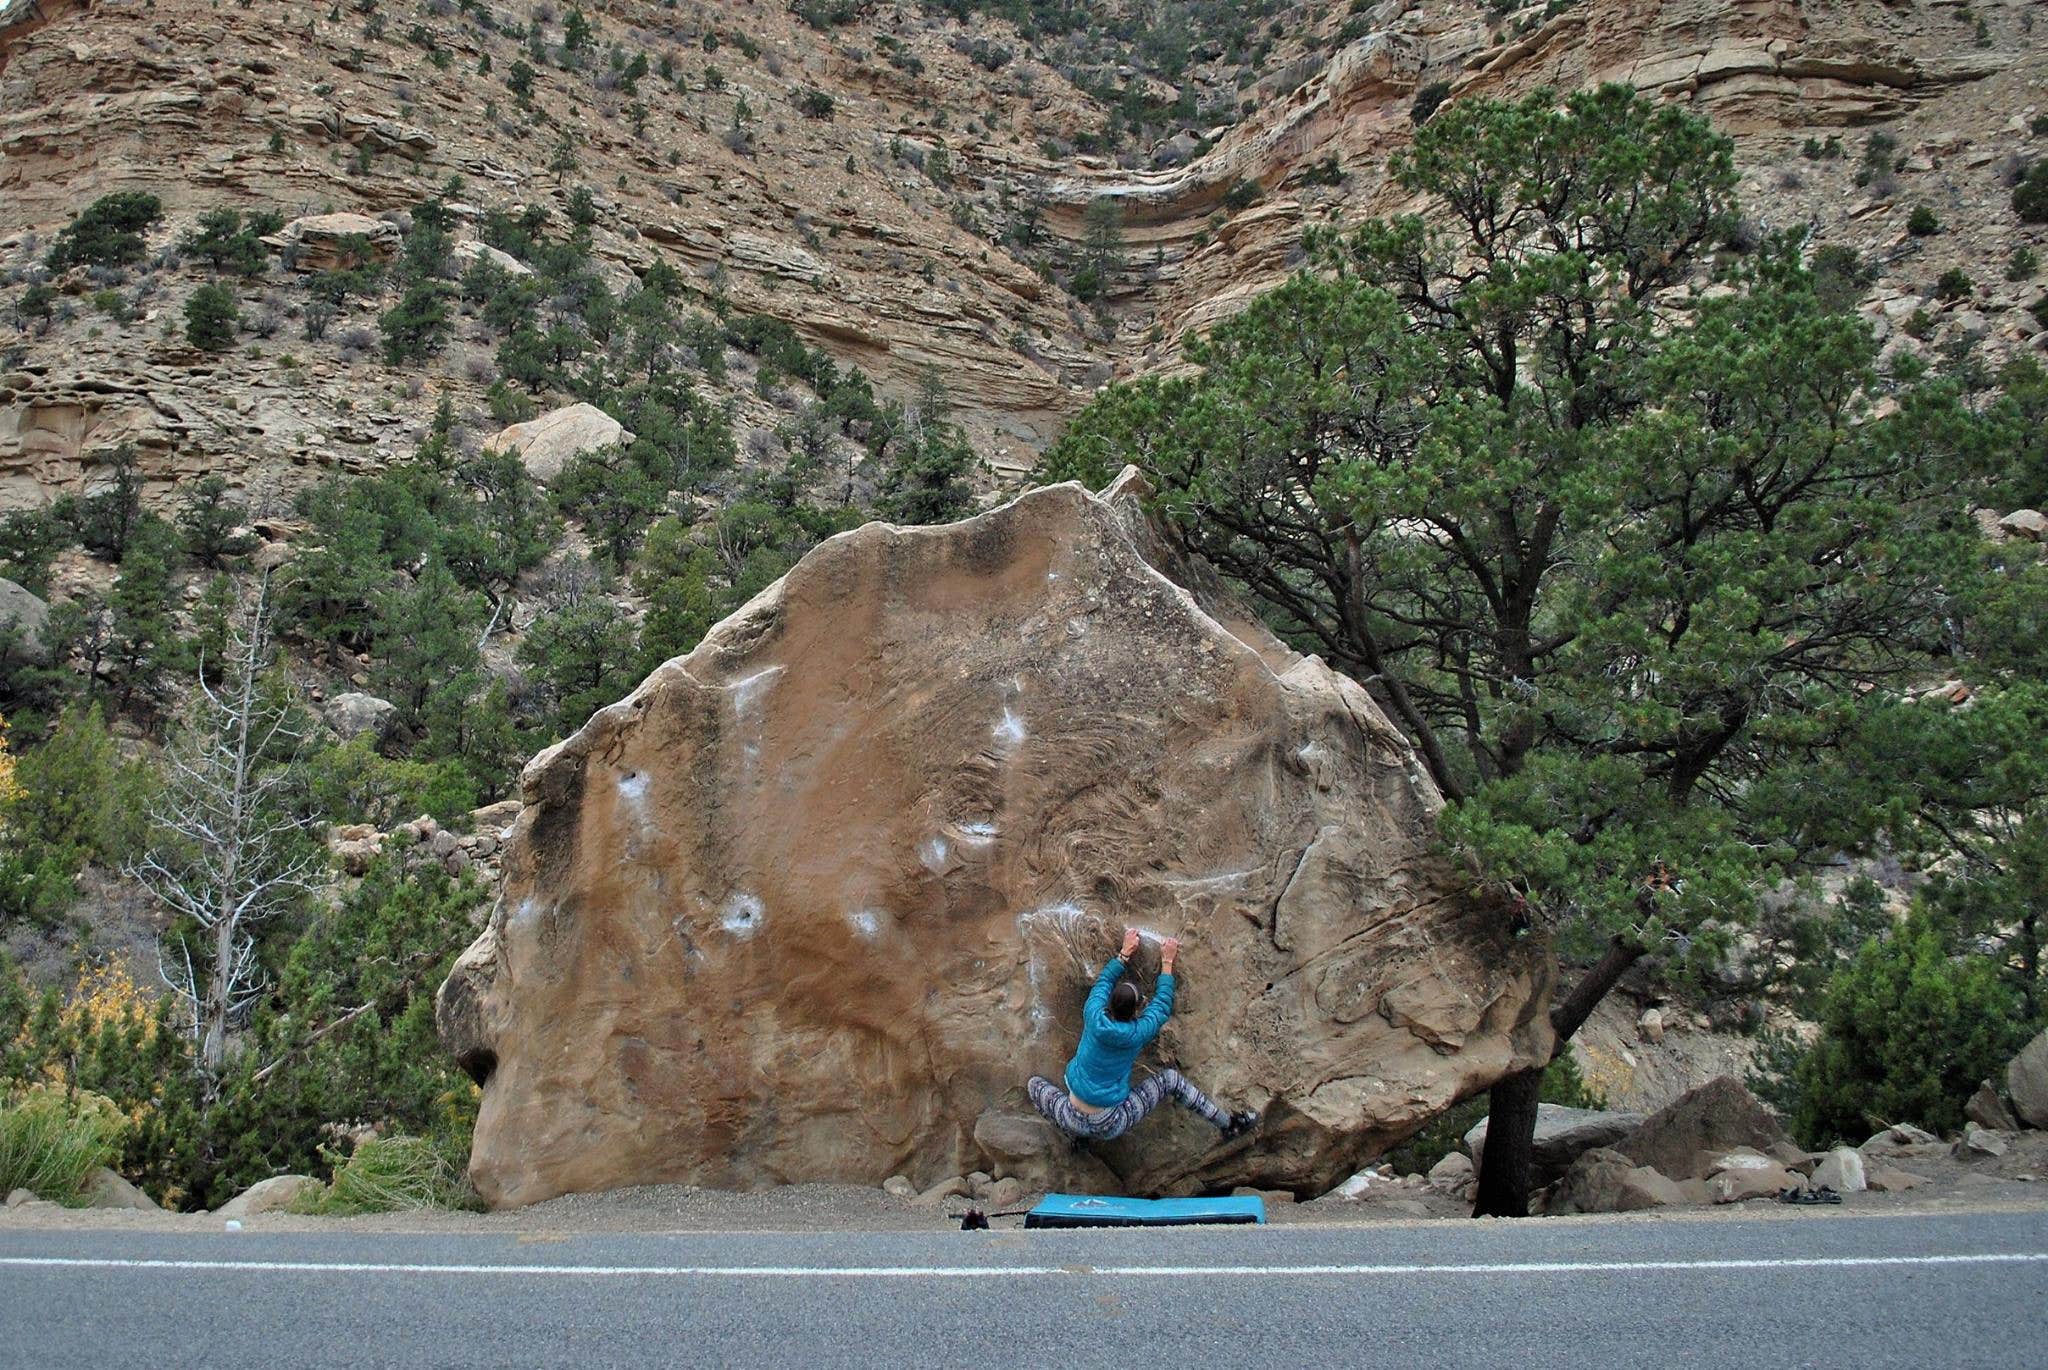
<point x="1822" y="1195"/>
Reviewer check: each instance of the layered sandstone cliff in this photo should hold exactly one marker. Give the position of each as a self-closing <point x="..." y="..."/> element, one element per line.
<point x="921" y="229"/>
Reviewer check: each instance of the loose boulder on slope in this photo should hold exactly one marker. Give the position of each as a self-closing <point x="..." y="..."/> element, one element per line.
<point x="816" y="899"/>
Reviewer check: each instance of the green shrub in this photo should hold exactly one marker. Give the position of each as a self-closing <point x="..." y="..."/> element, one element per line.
<point x="228" y="242"/>
<point x="52" y="1141"/>
<point x="2030" y="196"/>
<point x="1907" y="1032"/>
<point x="418" y="325"/>
<point x="2023" y="265"/>
<point x="1241" y="195"/>
<point x="1922" y="222"/>
<point x="210" y="318"/>
<point x="389" y="1175"/>
<point x="1427" y="99"/>
<point x="1954" y="284"/>
<point x="1840" y="276"/>
<point x="813" y="103"/>
<point x="107" y="232"/>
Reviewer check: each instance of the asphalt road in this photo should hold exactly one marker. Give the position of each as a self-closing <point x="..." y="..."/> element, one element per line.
<point x="1806" y="1289"/>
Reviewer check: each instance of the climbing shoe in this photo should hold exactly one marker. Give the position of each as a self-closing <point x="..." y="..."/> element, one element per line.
<point x="1239" y="1124"/>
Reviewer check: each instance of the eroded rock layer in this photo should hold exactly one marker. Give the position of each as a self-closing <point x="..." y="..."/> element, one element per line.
<point x="820" y="895"/>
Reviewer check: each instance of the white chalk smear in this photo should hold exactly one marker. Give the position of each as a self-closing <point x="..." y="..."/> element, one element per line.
<point x="747" y="690"/>
<point x="866" y="922"/>
<point x="633" y="786"/>
<point x="932" y="854"/>
<point x="742" y="915"/>
<point x="1009" y="731"/>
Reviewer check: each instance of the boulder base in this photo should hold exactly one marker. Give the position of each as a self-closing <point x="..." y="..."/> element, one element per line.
<point x="816" y="900"/>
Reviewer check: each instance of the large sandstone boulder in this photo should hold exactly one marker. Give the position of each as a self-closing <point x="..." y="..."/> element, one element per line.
<point x="816" y="899"/>
<point x="1562" y="1135"/>
<point x="2026" y="1082"/>
<point x="355" y="713"/>
<point x="23" y="618"/>
<point x="336" y="242"/>
<point x="1717" y="1117"/>
<point x="547" y="444"/>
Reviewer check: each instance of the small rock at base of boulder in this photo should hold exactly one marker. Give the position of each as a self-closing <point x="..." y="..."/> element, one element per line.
<point x="900" y="1187"/>
<point x="1366" y="1182"/>
<point x="1897" y="1137"/>
<point x="107" y="1190"/>
<point x="273" y="1195"/>
<point x="1739" y="1183"/>
<point x="17" y="1197"/>
<point x="955" y="1188"/>
<point x="1605" y="1181"/>
<point x="1842" y="1170"/>
<point x="1006" y="1194"/>
<point x="1714" y="1118"/>
<point x="1979" y="1142"/>
<point x="1650" y="1027"/>
<point x="2026" y="1082"/>
<point x="1792" y="1157"/>
<point x="1987" y="1108"/>
<point x="1454" y="1173"/>
<point x="1884" y="1179"/>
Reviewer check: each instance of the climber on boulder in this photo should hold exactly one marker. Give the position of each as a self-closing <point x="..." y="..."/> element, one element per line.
<point x="1099" y="1101"/>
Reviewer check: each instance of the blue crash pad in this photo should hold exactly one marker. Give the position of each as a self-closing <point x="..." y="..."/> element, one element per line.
<point x="1108" y="1210"/>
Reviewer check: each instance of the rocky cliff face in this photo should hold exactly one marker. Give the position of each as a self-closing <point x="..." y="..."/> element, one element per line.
<point x="816" y="899"/>
<point x="886" y="192"/>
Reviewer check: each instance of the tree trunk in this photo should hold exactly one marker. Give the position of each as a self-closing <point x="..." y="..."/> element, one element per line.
<point x="1509" y="1161"/>
<point x="1510" y="1154"/>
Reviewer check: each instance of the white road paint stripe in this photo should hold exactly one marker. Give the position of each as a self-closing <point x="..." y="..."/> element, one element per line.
<point x="984" y="1272"/>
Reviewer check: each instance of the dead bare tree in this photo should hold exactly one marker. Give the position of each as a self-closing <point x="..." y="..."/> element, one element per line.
<point x="226" y="852"/>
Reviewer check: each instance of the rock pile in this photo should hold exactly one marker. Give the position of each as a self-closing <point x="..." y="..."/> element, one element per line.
<point x="1717" y="1144"/>
<point x="427" y="843"/>
<point x="815" y="900"/>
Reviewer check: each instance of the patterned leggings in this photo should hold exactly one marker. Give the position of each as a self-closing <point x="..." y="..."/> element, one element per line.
<point x="1056" y="1104"/>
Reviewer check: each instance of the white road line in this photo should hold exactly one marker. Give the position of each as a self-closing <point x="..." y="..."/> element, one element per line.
<point x="1004" y="1272"/>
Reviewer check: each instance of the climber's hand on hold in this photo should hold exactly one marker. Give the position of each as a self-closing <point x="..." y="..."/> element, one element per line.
<point x="1168" y="949"/>
<point x="1130" y="943"/>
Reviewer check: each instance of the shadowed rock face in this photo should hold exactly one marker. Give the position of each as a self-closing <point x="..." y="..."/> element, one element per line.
<point x="820" y="895"/>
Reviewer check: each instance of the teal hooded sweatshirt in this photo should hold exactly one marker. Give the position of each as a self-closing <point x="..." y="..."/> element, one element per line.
<point x="1100" y="1073"/>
